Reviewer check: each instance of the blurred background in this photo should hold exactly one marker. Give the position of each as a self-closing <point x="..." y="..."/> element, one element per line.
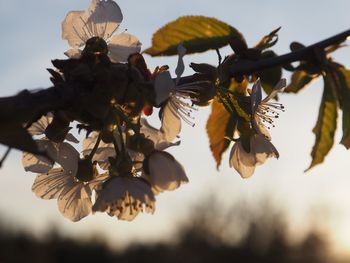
<point x="281" y="214"/>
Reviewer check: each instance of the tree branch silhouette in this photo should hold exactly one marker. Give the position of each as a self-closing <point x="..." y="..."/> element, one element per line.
<point x="21" y="107"/>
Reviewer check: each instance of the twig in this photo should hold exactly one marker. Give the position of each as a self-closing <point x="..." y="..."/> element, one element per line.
<point x="249" y="67"/>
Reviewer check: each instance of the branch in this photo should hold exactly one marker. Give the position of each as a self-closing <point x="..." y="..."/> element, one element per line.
<point x="22" y="106"/>
<point x="249" y="67"/>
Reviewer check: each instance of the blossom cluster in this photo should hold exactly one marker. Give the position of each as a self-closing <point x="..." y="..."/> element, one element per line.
<point x="124" y="161"/>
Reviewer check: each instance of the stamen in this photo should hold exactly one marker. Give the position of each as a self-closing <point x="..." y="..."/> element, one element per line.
<point x="267" y="112"/>
<point x="182" y="109"/>
<point x="76" y="32"/>
<point x="87" y="32"/>
<point x="104" y="31"/>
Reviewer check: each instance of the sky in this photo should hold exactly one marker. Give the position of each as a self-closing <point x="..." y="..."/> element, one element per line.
<point x="31" y="38"/>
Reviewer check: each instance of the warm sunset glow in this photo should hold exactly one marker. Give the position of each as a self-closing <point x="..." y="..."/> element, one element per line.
<point x="230" y="207"/>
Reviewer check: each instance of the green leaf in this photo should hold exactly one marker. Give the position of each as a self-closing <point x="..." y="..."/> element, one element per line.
<point x="344" y="78"/>
<point x="196" y="33"/>
<point x="271" y="76"/>
<point x="326" y="123"/>
<point x="268" y="40"/>
<point x="220" y="124"/>
<point x="299" y="80"/>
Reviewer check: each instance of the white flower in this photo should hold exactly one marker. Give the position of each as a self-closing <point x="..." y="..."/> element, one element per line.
<point x="258" y="147"/>
<point x="73" y="196"/>
<point x="164" y="172"/>
<point x="125" y="197"/>
<point x="37" y="163"/>
<point x="245" y="162"/>
<point x="264" y="111"/>
<point x="160" y="168"/>
<point x="173" y="95"/>
<point x="161" y="138"/>
<point x="105" y="151"/>
<point x="101" y="19"/>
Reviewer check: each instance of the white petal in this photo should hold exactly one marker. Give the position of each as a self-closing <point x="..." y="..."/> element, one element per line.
<point x="38" y="127"/>
<point x="37" y="163"/>
<point x="255" y="96"/>
<point x="260" y="128"/>
<point x="163" y="86"/>
<point x="157" y="136"/>
<point x="98" y="181"/>
<point x="71" y="138"/>
<point x="50" y="185"/>
<point x="262" y="148"/>
<point x="171" y="122"/>
<point x="74" y="28"/>
<point x="74" y="201"/>
<point x="104" y="18"/>
<point x="124" y="197"/>
<point x="73" y="53"/>
<point x="278" y="88"/>
<point x="121" y="46"/>
<point x="103" y="152"/>
<point x="67" y="157"/>
<point x="243" y="162"/>
<point x="165" y="173"/>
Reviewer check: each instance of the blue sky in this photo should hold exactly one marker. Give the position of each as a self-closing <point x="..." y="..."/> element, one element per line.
<point x="31" y="37"/>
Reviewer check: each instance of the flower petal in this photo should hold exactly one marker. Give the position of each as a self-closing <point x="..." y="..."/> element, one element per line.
<point x="255" y="96"/>
<point x="71" y="138"/>
<point x="124" y="197"/>
<point x="73" y="53"/>
<point x="262" y="148"/>
<point x="67" y="157"/>
<point x="74" y="201"/>
<point x="121" y="46"/>
<point x="103" y="152"/>
<point x="50" y="185"/>
<point x="171" y="122"/>
<point x="260" y="128"/>
<point x="157" y="136"/>
<point x="163" y="86"/>
<point x="97" y="183"/>
<point x="38" y="127"/>
<point x="278" y="88"/>
<point x="243" y="162"/>
<point x="104" y="18"/>
<point x="165" y="173"/>
<point x="74" y="28"/>
<point x="37" y="163"/>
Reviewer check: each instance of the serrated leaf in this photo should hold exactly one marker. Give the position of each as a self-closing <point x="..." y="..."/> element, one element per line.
<point x="299" y="80"/>
<point x="344" y="78"/>
<point x="326" y="125"/>
<point x="220" y="124"/>
<point x="271" y="76"/>
<point x="268" y="40"/>
<point x="196" y="33"/>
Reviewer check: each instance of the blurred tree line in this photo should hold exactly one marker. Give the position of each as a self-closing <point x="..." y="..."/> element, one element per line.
<point x="206" y="237"/>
